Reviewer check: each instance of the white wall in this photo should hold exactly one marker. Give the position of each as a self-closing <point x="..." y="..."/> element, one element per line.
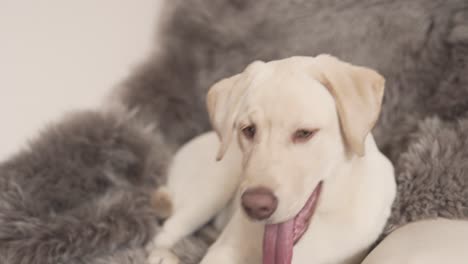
<point x="60" y="55"/>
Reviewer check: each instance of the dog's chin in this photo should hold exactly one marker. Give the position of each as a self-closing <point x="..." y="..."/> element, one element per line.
<point x="280" y="238"/>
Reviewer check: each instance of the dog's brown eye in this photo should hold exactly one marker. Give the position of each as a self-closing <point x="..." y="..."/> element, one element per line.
<point x="249" y="131"/>
<point x="302" y="135"/>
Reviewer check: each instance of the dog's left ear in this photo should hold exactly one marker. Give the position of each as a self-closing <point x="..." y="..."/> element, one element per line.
<point x="358" y="92"/>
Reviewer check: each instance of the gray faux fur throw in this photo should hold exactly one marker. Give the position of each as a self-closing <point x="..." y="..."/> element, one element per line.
<point x="80" y="193"/>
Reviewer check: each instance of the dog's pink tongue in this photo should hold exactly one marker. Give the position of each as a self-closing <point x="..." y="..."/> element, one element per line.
<point x="278" y="243"/>
<point x="279" y="239"/>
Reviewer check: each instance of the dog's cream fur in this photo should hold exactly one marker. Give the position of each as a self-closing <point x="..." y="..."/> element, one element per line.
<point x="339" y="101"/>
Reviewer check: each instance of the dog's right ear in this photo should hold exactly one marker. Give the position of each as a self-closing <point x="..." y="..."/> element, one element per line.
<point x="222" y="101"/>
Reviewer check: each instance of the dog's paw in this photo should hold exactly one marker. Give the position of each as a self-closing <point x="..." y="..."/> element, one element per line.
<point x="162" y="256"/>
<point x="221" y="254"/>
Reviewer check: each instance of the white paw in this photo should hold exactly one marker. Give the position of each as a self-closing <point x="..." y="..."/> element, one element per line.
<point x="218" y="255"/>
<point x="162" y="256"/>
<point x="164" y="240"/>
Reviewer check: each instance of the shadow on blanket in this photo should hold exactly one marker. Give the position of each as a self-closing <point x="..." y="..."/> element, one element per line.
<point x="80" y="192"/>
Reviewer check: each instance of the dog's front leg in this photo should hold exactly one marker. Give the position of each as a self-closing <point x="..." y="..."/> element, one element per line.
<point x="198" y="188"/>
<point x="239" y="243"/>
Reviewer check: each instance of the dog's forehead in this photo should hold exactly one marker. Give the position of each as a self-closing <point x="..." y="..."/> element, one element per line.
<point x="279" y="77"/>
<point x="280" y="70"/>
<point x="287" y="89"/>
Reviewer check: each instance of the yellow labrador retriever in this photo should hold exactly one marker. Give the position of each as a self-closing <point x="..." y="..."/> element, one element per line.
<point x="298" y="177"/>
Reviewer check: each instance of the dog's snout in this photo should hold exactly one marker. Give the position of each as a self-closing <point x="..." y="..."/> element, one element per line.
<point x="259" y="203"/>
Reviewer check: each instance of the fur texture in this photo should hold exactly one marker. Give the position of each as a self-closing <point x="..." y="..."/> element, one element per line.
<point x="80" y="192"/>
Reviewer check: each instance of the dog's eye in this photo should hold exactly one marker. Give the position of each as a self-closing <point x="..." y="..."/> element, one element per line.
<point x="302" y="135"/>
<point x="249" y="131"/>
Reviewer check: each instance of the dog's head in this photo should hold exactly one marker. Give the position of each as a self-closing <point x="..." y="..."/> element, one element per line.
<point x="295" y="120"/>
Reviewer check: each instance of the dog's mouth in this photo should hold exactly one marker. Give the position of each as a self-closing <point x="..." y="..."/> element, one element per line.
<point x="279" y="239"/>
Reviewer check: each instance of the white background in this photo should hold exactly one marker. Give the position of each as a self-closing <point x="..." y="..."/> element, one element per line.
<point x="61" y="55"/>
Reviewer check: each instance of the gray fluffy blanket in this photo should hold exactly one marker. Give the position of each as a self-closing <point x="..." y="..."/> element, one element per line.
<point x="80" y="193"/>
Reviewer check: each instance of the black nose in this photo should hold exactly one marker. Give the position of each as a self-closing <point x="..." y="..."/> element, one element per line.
<point x="259" y="203"/>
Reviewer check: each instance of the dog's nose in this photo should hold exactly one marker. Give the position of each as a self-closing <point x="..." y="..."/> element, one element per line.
<point x="259" y="203"/>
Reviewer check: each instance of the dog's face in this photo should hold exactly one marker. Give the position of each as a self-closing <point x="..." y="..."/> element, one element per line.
<point x="294" y="125"/>
<point x="289" y="133"/>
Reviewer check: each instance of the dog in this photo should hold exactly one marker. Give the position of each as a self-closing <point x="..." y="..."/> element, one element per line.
<point x="291" y="173"/>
